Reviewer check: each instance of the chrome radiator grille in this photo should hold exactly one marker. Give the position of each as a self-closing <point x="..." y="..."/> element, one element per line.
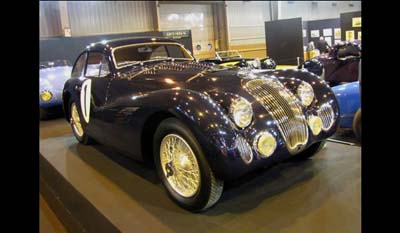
<point x="325" y="112"/>
<point x="284" y="108"/>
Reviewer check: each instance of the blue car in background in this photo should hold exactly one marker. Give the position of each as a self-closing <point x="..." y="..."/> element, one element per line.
<point x="52" y="76"/>
<point x="348" y="96"/>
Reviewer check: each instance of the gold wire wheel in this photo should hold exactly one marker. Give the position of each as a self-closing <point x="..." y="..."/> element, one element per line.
<point x="76" y="121"/>
<point x="179" y="165"/>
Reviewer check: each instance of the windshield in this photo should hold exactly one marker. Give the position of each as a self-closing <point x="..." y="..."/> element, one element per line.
<point x="135" y="54"/>
<point x="56" y="63"/>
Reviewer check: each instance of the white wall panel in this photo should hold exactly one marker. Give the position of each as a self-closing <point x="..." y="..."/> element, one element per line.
<point x="103" y="17"/>
<point x="321" y="10"/>
<point x="195" y="17"/>
<point x="49" y="19"/>
<point x="246" y="21"/>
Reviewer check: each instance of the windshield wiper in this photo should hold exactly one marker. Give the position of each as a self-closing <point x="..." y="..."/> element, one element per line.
<point x="159" y="58"/>
<point x="128" y="63"/>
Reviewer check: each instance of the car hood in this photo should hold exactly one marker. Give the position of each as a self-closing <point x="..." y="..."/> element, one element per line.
<point x="201" y="77"/>
<point x="53" y="79"/>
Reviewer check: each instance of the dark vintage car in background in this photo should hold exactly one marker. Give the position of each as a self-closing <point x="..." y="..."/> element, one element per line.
<point x="338" y="66"/>
<point x="200" y="124"/>
<point x="52" y="76"/>
<point x="234" y="58"/>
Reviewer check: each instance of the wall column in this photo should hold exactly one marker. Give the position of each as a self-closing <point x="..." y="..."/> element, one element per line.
<point x="64" y="18"/>
<point x="220" y="26"/>
<point x="155" y="5"/>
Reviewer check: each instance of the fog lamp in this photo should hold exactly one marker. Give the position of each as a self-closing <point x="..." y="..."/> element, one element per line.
<point x="265" y="143"/>
<point x="315" y="124"/>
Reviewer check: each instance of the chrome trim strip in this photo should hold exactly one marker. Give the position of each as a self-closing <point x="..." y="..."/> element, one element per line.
<point x="325" y="112"/>
<point x="85" y="99"/>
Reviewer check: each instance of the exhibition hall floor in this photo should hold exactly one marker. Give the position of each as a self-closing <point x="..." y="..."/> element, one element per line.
<point x="107" y="192"/>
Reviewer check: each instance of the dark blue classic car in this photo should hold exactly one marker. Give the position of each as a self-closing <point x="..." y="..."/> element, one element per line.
<point x="200" y="124"/>
<point x="52" y="76"/>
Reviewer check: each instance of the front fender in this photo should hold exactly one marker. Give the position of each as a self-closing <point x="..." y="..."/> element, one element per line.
<point x="205" y="117"/>
<point x="209" y="122"/>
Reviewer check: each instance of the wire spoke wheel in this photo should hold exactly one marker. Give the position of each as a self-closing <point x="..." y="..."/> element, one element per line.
<point x="76" y="121"/>
<point x="180" y="165"/>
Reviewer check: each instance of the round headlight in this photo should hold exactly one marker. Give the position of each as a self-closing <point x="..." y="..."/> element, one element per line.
<point x="315" y="124"/>
<point x="265" y="143"/>
<point x="46" y="96"/>
<point x="241" y="112"/>
<point x="306" y="93"/>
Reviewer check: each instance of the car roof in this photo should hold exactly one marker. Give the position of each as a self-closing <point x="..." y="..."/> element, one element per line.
<point x="128" y="41"/>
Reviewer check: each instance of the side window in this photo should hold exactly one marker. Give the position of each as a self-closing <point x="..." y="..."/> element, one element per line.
<point x="97" y="65"/>
<point x="105" y="67"/>
<point x="175" y="51"/>
<point x="159" y="52"/>
<point x="79" y="65"/>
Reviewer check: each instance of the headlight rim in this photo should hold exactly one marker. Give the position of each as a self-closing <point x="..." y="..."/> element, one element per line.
<point x="300" y="96"/>
<point x="257" y="139"/>
<point x="309" y="118"/>
<point x="232" y="112"/>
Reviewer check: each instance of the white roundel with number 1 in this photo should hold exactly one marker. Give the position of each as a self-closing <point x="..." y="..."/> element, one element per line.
<point x="85" y="99"/>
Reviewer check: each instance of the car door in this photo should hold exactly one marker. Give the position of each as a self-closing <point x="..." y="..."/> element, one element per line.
<point x="94" y="91"/>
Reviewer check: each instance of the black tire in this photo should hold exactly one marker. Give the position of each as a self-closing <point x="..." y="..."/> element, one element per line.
<point x="43" y="114"/>
<point x="357" y="124"/>
<point x="84" y="139"/>
<point x="311" y="151"/>
<point x="210" y="188"/>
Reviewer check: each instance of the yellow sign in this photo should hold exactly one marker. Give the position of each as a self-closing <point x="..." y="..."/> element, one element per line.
<point x="350" y="35"/>
<point x="356" y="22"/>
<point x="338" y="33"/>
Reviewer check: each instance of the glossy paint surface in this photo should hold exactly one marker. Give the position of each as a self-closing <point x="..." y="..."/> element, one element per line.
<point x="348" y="96"/>
<point x="130" y="101"/>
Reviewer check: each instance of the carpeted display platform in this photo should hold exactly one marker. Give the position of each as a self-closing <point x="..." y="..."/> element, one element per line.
<point x="95" y="189"/>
